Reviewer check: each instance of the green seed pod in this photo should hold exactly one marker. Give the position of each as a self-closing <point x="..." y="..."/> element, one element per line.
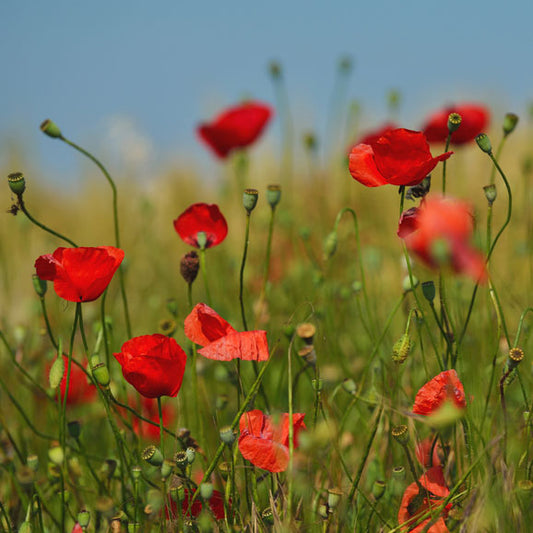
<point x="17" y="183"/>
<point x="227" y="435"/>
<point x="180" y="458"/>
<point x="484" y="143"/>
<point x="428" y="290"/>
<point x="153" y="456"/>
<point x="273" y="195"/>
<point x="406" y="283"/>
<point x="136" y="472"/>
<point x="206" y="491"/>
<point x="401" y="434"/>
<point x="510" y="122"/>
<point x="378" y="489"/>
<point x="490" y="193"/>
<point x="84" y="517"/>
<point x="57" y="371"/>
<point x="249" y="199"/>
<point x="100" y="371"/>
<point x="401" y="349"/>
<point x="349" y="386"/>
<point x="190" y="452"/>
<point x="166" y="468"/>
<point x="454" y="121"/>
<point x="334" y="497"/>
<point x="51" y="129"/>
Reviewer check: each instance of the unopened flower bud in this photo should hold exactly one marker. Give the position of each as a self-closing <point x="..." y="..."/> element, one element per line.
<point x="428" y="290"/>
<point x="509" y="123"/>
<point x="25" y="527"/>
<point x="74" y="429"/>
<point x="51" y="129"/>
<point x="330" y="245"/>
<point x="490" y="193"/>
<point x="249" y="199"/>
<point x="100" y="371"/>
<point x="273" y="195"/>
<point x="17" y="183"/>
<point x="454" y="121"/>
<point x="153" y="456"/>
<point x="483" y="142"/>
<point x="288" y="331"/>
<point x="189" y="266"/>
<point x="190" y="452"/>
<point x="401" y="434"/>
<point x="84" y="517"/>
<point x="57" y="371"/>
<point x="39" y="285"/>
<point x="401" y="349"/>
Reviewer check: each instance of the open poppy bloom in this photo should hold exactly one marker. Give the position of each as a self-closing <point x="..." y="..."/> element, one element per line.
<point x="439" y="232"/>
<point x="220" y="341"/>
<point x="153" y="364"/>
<point x="414" y="504"/>
<point x="264" y="444"/>
<point x="398" y="157"/>
<point x="80" y="274"/>
<point x="80" y="390"/>
<point x="431" y="396"/>
<point x="236" y="127"/>
<point x="202" y="225"/>
<point x="474" y="120"/>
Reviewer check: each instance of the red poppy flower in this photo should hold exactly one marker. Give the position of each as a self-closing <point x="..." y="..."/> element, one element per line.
<point x="474" y="120"/>
<point x="150" y="410"/>
<point x="202" y="218"/>
<point x="445" y="386"/>
<point x="414" y="505"/>
<point x="373" y="136"/>
<point x="439" y="232"/>
<point x="423" y="452"/>
<point x="153" y="364"/>
<point x="236" y="127"/>
<point x="399" y="157"/>
<point x="80" y="390"/>
<point x="220" y="341"/>
<point x="264" y="444"/>
<point x="80" y="274"/>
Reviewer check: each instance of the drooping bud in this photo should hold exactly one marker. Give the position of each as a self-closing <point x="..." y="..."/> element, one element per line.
<point x="454" y="121"/>
<point x="249" y="199"/>
<point x="349" y="386"/>
<point x="484" y="143"/>
<point x="17" y="183"/>
<point x="510" y="122"/>
<point x="189" y="266"/>
<point x="273" y="195"/>
<point x="401" y="349"/>
<point x="153" y="456"/>
<point x="51" y="129"/>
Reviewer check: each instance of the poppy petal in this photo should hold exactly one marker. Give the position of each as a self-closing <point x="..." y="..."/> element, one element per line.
<point x="204" y="325"/>
<point x="363" y="167"/>
<point x="245" y="345"/>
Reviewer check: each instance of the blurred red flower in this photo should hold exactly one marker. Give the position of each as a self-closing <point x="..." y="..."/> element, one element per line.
<point x="474" y="120"/>
<point x="216" y="505"/>
<point x="414" y="504"/>
<point x="80" y="390"/>
<point x="439" y="232"/>
<point x="264" y="444"/>
<point x="423" y="452"/>
<point x="149" y="410"/>
<point x="431" y="396"/>
<point x="202" y="218"/>
<point x="77" y="528"/>
<point x="220" y="341"/>
<point x="80" y="274"/>
<point x="398" y="157"/>
<point x="236" y="127"/>
<point x="153" y="364"/>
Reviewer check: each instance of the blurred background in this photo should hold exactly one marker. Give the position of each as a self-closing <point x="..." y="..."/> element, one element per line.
<point x="131" y="80"/>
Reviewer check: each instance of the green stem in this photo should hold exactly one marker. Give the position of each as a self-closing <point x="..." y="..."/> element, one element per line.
<point x="241" y="273"/>
<point x="444" y="164"/>
<point x="115" y="221"/>
<point x="290" y="475"/>
<point x="262" y="295"/>
<point x="22" y="207"/>
<point x="203" y="268"/>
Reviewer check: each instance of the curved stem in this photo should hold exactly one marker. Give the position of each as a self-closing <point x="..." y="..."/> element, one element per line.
<point x="241" y="273"/>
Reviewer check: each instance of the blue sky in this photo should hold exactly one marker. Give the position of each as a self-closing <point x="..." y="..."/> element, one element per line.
<point x="155" y="69"/>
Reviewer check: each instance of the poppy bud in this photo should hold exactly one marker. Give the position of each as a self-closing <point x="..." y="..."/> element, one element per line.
<point x="189" y="266"/>
<point x="357" y="286"/>
<point x="483" y="142"/>
<point x="39" y="285"/>
<point x="378" y="489"/>
<point x="74" y="429"/>
<point x="428" y="290"/>
<point x="84" y="517"/>
<point x="306" y="331"/>
<point x="454" y="121"/>
<point x="56" y="455"/>
<point x="330" y="245"/>
<point x="273" y="195"/>
<point x="249" y="199"/>
<point x="515" y="357"/>
<point x="153" y="456"/>
<point x="51" y="129"/>
<point x="100" y="371"/>
<point x="401" y="349"/>
<point x="288" y="331"/>
<point x="490" y="193"/>
<point x="166" y="468"/>
<point x="334" y="497"/>
<point x="17" y="183"/>
<point x="401" y="434"/>
<point x="509" y="123"/>
<point x="57" y="371"/>
<point x="227" y="435"/>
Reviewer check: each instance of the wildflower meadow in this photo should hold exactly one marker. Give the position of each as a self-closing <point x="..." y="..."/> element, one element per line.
<point x="333" y="342"/>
